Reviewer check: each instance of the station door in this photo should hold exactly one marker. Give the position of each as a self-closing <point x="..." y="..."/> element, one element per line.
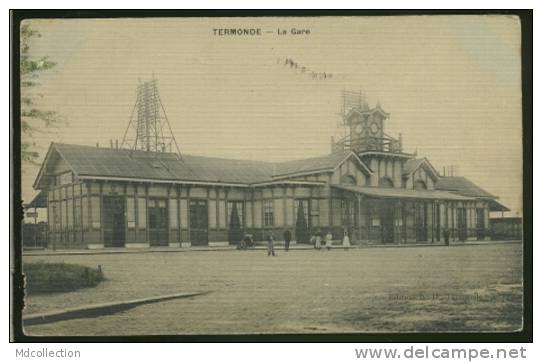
<point x="158" y="222"/>
<point x="114" y="221"/>
<point x="199" y="222"/>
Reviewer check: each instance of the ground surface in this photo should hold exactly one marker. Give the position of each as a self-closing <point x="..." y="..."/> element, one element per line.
<point x="461" y="288"/>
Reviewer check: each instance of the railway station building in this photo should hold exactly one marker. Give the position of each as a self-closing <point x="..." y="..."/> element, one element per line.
<point x="366" y="186"/>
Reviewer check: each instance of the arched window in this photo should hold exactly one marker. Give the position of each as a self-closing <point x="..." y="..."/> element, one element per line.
<point x="385" y="182"/>
<point x="348" y="179"/>
<point x="420" y="185"/>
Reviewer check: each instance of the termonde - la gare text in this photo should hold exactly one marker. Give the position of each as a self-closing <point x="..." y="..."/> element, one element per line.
<point x="257" y="31"/>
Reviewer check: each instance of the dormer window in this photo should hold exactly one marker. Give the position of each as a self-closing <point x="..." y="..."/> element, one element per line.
<point x="65" y="178"/>
<point x="385" y="182"/>
<point x="420" y="185"/>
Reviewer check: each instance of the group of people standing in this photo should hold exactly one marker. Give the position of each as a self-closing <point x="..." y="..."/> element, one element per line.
<point x="318" y="238"/>
<point x="316" y="241"/>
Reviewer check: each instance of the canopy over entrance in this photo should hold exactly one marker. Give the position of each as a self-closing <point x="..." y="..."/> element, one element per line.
<point x="494" y="205"/>
<point x="40" y="200"/>
<point x="397" y="193"/>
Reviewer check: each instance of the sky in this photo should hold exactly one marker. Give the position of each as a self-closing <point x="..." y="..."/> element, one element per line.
<point x="452" y="85"/>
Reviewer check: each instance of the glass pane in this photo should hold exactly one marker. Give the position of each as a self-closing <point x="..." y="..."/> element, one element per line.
<point x="173" y="219"/>
<point x="141" y="213"/>
<point x="130" y="210"/>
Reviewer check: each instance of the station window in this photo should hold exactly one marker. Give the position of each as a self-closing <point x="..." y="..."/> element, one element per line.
<point x="268" y="214"/>
<point x="239" y="206"/>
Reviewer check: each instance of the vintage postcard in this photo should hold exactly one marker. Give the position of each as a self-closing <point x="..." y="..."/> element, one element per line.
<point x="272" y="175"/>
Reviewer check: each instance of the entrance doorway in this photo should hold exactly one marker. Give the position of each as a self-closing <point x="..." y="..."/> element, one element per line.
<point x="387" y="220"/>
<point x="114" y="227"/>
<point x="480" y="224"/>
<point x="385" y="214"/>
<point x="158" y="222"/>
<point x="199" y="223"/>
<point x="421" y="222"/>
<point x="462" y="224"/>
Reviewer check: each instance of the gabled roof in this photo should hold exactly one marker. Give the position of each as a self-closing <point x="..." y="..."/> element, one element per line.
<point x="462" y="186"/>
<point x="367" y="111"/>
<point x="415" y="163"/>
<point x="317" y="164"/>
<point x="108" y="163"/>
<point x="412" y="165"/>
<point x="39" y="200"/>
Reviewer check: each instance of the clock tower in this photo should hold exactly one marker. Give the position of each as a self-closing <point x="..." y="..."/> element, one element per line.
<point x="367" y="128"/>
<point x="364" y="128"/>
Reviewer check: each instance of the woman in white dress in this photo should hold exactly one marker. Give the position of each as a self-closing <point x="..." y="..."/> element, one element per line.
<point x="318" y="241"/>
<point x="346" y="240"/>
<point x="329" y="240"/>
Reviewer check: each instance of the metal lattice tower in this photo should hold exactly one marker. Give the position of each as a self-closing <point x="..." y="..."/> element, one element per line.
<point x="353" y="99"/>
<point x="149" y="120"/>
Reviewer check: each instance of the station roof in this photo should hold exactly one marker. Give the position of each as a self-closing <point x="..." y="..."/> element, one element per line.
<point x="462" y="186"/>
<point x="88" y="161"/>
<point x="494" y="205"/>
<point x="39" y="200"/>
<point x="313" y="164"/>
<point x="399" y="193"/>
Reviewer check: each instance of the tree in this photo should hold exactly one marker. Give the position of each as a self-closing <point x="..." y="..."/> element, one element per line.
<point x="234" y="233"/>
<point x="301" y="228"/>
<point x="33" y="119"/>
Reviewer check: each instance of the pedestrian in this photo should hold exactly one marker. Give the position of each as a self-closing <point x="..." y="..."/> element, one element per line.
<point x="287" y="239"/>
<point x="313" y="241"/>
<point x="329" y="240"/>
<point x="318" y="242"/>
<point x="270" y="245"/>
<point x="446" y="236"/>
<point x="346" y="240"/>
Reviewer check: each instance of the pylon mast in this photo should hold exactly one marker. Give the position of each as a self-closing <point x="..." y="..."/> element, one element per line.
<point x="148" y="120"/>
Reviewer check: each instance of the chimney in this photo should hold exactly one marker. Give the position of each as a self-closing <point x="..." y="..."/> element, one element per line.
<point x="117" y="144"/>
<point x="111" y="142"/>
<point x="97" y="145"/>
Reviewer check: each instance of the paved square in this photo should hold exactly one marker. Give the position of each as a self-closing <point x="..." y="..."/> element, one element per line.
<point x="460" y="288"/>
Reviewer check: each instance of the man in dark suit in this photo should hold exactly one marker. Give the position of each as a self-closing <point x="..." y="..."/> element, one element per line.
<point x="287" y="239"/>
<point x="270" y="245"/>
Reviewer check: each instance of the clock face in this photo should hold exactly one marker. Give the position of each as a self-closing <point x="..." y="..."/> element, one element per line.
<point x="374" y="127"/>
<point x="358" y="129"/>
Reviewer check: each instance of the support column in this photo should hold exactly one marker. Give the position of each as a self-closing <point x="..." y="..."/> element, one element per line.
<point x="179" y="218"/>
<point x="369" y="221"/>
<point x="81" y="222"/>
<point x="397" y="228"/>
<point x="101" y="215"/>
<point x="432" y="222"/>
<point x="403" y="222"/>
<point x="125" y="193"/>
<point x="188" y="216"/>
<point x="415" y="220"/>
<point x="358" y="196"/>
<point x="74" y="231"/>
<point x="147" y="236"/>
<point x="172" y="243"/>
